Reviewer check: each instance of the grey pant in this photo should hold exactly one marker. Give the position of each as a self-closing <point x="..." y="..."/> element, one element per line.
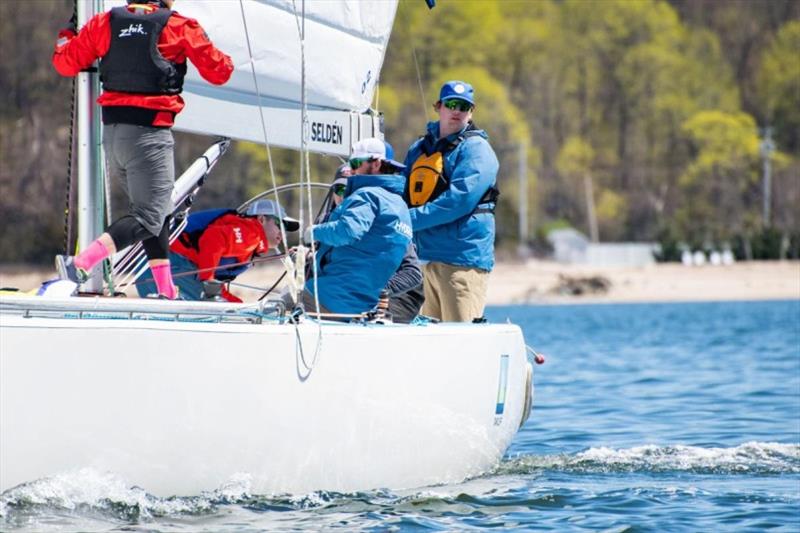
<point x="143" y="158"/>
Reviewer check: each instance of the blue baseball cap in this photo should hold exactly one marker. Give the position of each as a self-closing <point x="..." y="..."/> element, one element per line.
<point x="455" y="89"/>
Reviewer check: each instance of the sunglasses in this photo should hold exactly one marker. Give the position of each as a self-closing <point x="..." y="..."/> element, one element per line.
<point x="338" y="190"/>
<point x="357" y="162"/>
<point x="461" y="105"/>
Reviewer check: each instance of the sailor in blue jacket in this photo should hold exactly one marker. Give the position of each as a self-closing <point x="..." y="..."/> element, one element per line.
<point x="452" y="191"/>
<point x="365" y="238"/>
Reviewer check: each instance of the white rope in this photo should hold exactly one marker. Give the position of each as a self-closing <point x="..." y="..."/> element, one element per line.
<point x="309" y="368"/>
<point x="305" y="159"/>
<point x="305" y="178"/>
<point x="261" y="116"/>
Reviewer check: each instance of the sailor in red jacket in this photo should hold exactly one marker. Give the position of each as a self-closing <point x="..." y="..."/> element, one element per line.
<point x="142" y="79"/>
<point x="219" y="244"/>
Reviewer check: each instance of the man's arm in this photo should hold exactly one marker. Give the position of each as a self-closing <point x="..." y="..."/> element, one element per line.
<point x="474" y="173"/>
<point x="74" y="53"/>
<point x="356" y="220"/>
<point x="212" y="64"/>
<point x="408" y="275"/>
<point x="211" y="247"/>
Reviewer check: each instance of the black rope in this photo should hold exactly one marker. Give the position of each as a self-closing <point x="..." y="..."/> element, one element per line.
<point x="68" y="229"/>
<point x="273" y="286"/>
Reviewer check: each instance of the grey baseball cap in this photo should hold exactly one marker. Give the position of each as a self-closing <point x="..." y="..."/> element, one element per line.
<point x="270" y="208"/>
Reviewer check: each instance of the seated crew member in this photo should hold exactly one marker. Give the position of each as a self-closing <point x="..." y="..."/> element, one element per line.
<point x="218" y="237"/>
<point x="406" y="294"/>
<point x="363" y="241"/>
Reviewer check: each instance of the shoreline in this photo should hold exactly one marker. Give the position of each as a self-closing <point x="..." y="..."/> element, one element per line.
<point x="537" y="282"/>
<point x="549" y="283"/>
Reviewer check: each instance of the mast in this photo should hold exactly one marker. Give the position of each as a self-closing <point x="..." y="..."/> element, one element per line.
<point x="90" y="156"/>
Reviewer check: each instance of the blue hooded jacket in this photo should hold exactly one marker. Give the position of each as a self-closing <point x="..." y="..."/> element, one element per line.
<point x="362" y="244"/>
<point x="445" y="229"/>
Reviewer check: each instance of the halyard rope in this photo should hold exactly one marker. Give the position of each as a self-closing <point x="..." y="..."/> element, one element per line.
<point x="304" y="163"/>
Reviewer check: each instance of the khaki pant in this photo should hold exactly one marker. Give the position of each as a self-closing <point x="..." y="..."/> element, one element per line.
<point x="454" y="293"/>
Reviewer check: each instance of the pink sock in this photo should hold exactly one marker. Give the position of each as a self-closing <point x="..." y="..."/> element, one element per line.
<point x="92" y="255"/>
<point x="163" y="278"/>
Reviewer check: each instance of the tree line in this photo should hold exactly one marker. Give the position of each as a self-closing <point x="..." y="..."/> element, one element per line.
<point x="640" y="120"/>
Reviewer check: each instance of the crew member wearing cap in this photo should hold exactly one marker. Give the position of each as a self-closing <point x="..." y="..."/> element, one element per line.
<point x="219" y="244"/>
<point x="405" y="286"/>
<point x="452" y="192"/>
<point x="143" y="48"/>
<point x="364" y="239"/>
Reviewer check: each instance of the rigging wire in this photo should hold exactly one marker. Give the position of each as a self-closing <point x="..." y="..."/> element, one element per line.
<point x="416" y="64"/>
<point x="261" y="115"/>
<point x="304" y="148"/>
<point x="305" y="165"/>
<point x="68" y="227"/>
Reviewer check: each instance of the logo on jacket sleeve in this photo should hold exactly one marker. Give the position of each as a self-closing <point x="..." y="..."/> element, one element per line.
<point x="132" y="29"/>
<point x="403" y="228"/>
<point x="237" y="235"/>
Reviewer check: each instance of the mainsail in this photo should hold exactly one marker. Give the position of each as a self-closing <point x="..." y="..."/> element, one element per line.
<point x="344" y="46"/>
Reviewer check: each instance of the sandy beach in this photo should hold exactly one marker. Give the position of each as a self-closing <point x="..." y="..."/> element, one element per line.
<point x="546" y="282"/>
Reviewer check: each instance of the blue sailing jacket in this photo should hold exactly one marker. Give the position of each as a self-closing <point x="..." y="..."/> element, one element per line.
<point x="362" y="244"/>
<point x="445" y="229"/>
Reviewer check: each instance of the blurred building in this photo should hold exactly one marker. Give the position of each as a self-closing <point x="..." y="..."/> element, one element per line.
<point x="573" y="247"/>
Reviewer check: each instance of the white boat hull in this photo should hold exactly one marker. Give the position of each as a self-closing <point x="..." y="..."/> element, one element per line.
<point x="181" y="407"/>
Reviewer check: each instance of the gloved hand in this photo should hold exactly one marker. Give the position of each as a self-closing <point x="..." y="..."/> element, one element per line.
<point x="68" y="32"/>
<point x="307" y="237"/>
<point x="72" y="25"/>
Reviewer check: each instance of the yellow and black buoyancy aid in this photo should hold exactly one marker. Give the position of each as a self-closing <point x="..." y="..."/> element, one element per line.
<point x="428" y="176"/>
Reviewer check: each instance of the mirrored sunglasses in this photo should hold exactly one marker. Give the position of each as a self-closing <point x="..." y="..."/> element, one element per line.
<point x="338" y="190"/>
<point x="357" y="162"/>
<point x="460" y="105"/>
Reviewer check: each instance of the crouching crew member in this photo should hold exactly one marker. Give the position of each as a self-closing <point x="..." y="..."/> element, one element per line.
<point x="218" y="245"/>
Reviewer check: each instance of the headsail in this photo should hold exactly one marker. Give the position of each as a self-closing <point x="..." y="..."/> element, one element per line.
<point x="345" y="43"/>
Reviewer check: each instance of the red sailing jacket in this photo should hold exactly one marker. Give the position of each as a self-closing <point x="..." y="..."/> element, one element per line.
<point x="229" y="236"/>
<point x="180" y="39"/>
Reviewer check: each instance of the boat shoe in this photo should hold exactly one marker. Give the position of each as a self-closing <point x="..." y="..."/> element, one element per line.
<point x="65" y="266"/>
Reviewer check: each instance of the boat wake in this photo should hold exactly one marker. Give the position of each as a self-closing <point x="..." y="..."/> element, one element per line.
<point x="97" y="499"/>
<point x="763" y="458"/>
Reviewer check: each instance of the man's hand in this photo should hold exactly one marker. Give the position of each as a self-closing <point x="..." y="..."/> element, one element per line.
<point x="308" y="235"/>
<point x="69" y="31"/>
<point x="72" y="25"/>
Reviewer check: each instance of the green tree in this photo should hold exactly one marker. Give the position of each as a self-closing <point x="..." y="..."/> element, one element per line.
<point x="720" y="182"/>
<point x="779" y="86"/>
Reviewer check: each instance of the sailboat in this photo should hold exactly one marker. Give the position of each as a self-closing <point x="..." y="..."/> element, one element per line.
<point x="182" y="397"/>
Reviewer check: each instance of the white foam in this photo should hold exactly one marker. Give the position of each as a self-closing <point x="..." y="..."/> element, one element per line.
<point x="759" y="457"/>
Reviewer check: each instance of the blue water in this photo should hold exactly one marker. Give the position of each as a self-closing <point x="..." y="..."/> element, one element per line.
<point x="657" y="417"/>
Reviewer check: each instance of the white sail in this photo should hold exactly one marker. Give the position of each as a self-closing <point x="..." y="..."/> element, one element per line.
<point x="345" y="43"/>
